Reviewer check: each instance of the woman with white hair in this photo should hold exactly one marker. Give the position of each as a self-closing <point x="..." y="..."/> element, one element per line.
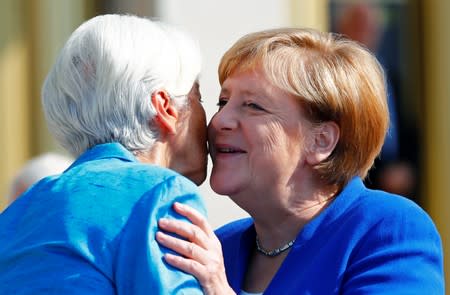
<point x="123" y="97"/>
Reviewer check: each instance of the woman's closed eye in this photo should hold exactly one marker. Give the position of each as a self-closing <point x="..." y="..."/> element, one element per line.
<point x="254" y="106"/>
<point x="222" y="102"/>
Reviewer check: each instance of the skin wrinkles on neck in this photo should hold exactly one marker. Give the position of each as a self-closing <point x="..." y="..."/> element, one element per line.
<point x="288" y="219"/>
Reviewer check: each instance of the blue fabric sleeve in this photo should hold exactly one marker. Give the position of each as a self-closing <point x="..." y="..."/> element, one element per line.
<point x="140" y="267"/>
<point x="401" y="254"/>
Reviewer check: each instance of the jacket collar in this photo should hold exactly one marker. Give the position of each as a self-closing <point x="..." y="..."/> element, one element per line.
<point x="105" y="151"/>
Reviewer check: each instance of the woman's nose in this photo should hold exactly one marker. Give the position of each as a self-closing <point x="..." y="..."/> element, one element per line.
<point x="224" y="119"/>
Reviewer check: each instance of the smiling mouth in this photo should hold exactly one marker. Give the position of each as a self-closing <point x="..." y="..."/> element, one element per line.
<point x="230" y="151"/>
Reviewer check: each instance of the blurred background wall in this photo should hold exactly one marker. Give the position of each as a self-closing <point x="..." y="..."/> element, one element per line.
<point x="413" y="45"/>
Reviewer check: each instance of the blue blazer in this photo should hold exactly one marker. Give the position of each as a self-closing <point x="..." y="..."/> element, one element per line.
<point x="91" y="230"/>
<point x="365" y="242"/>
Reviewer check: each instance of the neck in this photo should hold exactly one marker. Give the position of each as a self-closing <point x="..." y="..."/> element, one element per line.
<point x="287" y="220"/>
<point x="156" y="155"/>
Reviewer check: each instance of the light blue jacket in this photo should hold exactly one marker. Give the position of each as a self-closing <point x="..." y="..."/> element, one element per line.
<point x="91" y="230"/>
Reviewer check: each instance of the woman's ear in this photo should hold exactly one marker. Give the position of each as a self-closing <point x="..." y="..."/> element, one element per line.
<point x="325" y="138"/>
<point x="166" y="113"/>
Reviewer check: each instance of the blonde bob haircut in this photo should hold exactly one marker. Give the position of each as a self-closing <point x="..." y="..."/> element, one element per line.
<point x="334" y="79"/>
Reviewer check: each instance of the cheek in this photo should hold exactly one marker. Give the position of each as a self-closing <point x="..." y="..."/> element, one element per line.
<point x="199" y="122"/>
<point x="202" y="114"/>
<point x="275" y="138"/>
<point x="211" y="131"/>
<point x="201" y="129"/>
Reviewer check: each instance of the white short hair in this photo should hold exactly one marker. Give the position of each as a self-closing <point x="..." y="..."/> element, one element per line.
<point x="100" y="87"/>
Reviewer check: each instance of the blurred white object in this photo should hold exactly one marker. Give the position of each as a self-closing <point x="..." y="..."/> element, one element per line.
<point x="35" y="169"/>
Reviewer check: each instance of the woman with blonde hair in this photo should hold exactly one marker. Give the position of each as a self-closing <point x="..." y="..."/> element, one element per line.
<point x="302" y="117"/>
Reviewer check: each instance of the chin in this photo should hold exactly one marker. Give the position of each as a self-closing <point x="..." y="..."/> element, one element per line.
<point x="220" y="187"/>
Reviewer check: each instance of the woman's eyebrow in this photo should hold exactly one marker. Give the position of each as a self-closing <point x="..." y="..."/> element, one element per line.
<point x="224" y="91"/>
